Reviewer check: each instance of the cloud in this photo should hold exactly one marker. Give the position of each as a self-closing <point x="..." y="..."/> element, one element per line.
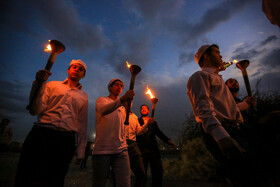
<point x="132" y="47"/>
<point x="269" y="40"/>
<point x="187" y="34"/>
<point x="272" y="59"/>
<point x="60" y="18"/>
<point x="156" y="9"/>
<point x="12" y="16"/>
<point x="266" y="52"/>
<point x="13" y="96"/>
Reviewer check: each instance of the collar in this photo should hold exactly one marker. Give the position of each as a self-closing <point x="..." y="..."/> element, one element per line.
<point x="79" y="86"/>
<point x="210" y="70"/>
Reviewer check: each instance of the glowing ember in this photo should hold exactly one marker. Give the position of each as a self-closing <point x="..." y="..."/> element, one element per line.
<point x="48" y="48"/>
<point x="149" y="92"/>
<point x="128" y="64"/>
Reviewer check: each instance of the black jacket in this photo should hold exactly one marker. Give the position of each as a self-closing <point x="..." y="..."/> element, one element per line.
<point x="147" y="142"/>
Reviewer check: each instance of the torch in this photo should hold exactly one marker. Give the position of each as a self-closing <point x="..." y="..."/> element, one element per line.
<point x="242" y="65"/>
<point x="55" y="47"/>
<point x="153" y="99"/>
<point x="134" y="70"/>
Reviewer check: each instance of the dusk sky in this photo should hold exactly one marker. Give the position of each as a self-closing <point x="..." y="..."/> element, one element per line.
<point x="161" y="36"/>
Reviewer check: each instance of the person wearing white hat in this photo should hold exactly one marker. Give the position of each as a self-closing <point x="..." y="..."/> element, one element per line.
<point x="110" y="147"/>
<point x="216" y="112"/>
<point x="62" y="109"/>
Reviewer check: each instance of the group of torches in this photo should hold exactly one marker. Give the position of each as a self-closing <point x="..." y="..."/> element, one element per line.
<point x="56" y="47"/>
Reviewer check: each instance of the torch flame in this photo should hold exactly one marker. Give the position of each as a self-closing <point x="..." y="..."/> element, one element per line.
<point x="48" y="48"/>
<point x="149" y="93"/>
<point x="128" y="64"/>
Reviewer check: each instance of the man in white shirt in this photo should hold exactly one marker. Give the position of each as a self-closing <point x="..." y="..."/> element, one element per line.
<point x="62" y="109"/>
<point x="215" y="110"/>
<point x="110" y="147"/>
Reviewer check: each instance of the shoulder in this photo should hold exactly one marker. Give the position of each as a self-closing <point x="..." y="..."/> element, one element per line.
<point x="54" y="83"/>
<point x="197" y="76"/>
<point x="83" y="93"/>
<point x="102" y="99"/>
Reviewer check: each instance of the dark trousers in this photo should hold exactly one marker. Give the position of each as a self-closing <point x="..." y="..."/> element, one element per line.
<point x="153" y="159"/>
<point x="136" y="163"/>
<point x="45" y="156"/>
<point x="241" y="172"/>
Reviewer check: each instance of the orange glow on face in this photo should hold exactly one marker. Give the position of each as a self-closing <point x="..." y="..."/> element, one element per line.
<point x="235" y="61"/>
<point x="48" y="48"/>
<point x="128" y="64"/>
<point x="149" y="92"/>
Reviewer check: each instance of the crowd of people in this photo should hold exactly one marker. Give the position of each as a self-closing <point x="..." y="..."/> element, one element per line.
<point x="61" y="129"/>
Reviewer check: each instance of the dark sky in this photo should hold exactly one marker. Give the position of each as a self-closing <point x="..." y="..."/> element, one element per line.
<point x="160" y="36"/>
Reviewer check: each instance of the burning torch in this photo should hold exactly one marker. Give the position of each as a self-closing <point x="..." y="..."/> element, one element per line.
<point x="55" y="47"/>
<point x="226" y="65"/>
<point x="153" y="99"/>
<point x="242" y="65"/>
<point x="134" y="70"/>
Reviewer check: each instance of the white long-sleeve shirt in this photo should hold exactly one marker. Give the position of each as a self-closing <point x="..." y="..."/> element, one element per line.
<point x="212" y="102"/>
<point x="66" y="108"/>
<point x="110" y="130"/>
<point x="134" y="128"/>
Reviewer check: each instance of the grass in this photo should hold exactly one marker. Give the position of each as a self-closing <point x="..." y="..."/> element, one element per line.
<point x="77" y="177"/>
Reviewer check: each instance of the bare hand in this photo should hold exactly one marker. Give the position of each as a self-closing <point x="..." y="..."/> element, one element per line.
<point x="129" y="95"/>
<point x="251" y="101"/>
<point x="42" y="75"/>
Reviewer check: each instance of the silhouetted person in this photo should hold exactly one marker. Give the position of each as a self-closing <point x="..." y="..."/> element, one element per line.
<point x="62" y="109"/>
<point x="148" y="145"/>
<point x="233" y="86"/>
<point x="135" y="155"/>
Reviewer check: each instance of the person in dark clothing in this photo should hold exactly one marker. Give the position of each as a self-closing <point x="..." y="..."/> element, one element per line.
<point x="148" y="145"/>
<point x="233" y="86"/>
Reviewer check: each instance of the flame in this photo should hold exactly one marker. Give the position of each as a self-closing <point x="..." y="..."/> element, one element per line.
<point x="48" y="48"/>
<point x="149" y="93"/>
<point x="128" y="64"/>
<point x="235" y="61"/>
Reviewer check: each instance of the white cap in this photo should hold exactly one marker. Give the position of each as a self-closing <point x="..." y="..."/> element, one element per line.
<point x="114" y="80"/>
<point x="78" y="62"/>
<point x="200" y="52"/>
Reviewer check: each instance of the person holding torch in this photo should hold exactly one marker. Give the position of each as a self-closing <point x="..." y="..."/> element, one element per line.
<point x="62" y="109"/>
<point x="216" y="112"/>
<point x="110" y="147"/>
<point x="148" y="145"/>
